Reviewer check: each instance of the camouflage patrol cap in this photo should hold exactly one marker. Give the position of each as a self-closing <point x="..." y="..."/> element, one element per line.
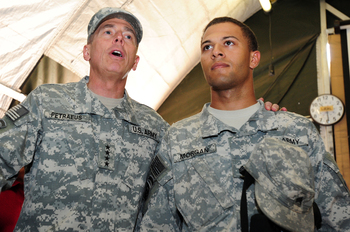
<point x="114" y="12"/>
<point x="284" y="184"/>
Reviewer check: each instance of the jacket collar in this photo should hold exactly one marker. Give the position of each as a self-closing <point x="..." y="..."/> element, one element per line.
<point x="262" y="120"/>
<point x="87" y="104"/>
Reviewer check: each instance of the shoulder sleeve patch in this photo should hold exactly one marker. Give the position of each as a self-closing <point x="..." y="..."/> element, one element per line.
<point x="157" y="171"/>
<point x="331" y="163"/>
<point x="157" y="167"/>
<point x="329" y="160"/>
<point x="16" y="112"/>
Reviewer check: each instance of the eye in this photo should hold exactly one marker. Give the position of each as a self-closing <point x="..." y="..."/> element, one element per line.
<point x="228" y="43"/>
<point x="108" y="32"/>
<point x="129" y="36"/>
<point x="206" y="47"/>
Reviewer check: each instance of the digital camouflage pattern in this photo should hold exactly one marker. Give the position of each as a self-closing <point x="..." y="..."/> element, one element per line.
<point x="201" y="191"/>
<point x="114" y="12"/>
<point x="284" y="184"/>
<point x="88" y="164"/>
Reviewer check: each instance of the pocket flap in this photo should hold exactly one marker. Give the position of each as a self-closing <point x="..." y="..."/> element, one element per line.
<point x="213" y="183"/>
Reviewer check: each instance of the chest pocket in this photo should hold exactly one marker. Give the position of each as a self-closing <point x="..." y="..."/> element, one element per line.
<point x="139" y="148"/>
<point x="82" y="147"/>
<point x="71" y="136"/>
<point x="200" y="196"/>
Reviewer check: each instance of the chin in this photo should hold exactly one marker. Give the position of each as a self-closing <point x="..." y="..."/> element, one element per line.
<point x="222" y="85"/>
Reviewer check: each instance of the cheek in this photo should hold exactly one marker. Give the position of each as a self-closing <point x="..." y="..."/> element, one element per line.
<point x="97" y="54"/>
<point x="205" y="62"/>
<point x="241" y="60"/>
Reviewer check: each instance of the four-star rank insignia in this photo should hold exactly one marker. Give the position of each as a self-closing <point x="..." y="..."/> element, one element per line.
<point x="106" y="156"/>
<point x="108" y="152"/>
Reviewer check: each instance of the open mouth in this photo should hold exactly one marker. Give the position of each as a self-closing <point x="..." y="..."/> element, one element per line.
<point x="117" y="53"/>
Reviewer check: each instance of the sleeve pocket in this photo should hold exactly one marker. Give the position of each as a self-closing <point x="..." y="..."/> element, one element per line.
<point x="330" y="162"/>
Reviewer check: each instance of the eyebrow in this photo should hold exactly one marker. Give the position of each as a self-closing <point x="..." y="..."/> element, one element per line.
<point x="224" y="38"/>
<point x="125" y="28"/>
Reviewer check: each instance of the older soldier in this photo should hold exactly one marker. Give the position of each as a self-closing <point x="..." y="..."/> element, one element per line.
<point x="195" y="183"/>
<point x="87" y="146"/>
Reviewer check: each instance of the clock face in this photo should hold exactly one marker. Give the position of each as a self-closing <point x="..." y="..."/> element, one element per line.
<point x="326" y="109"/>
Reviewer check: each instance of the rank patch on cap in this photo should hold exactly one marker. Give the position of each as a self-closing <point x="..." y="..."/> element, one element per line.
<point x="2" y="124"/>
<point x="16" y="112"/>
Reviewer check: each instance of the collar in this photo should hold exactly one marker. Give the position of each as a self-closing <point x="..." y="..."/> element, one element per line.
<point x="126" y="110"/>
<point x="262" y="120"/>
<point x="83" y="98"/>
<point x="87" y="104"/>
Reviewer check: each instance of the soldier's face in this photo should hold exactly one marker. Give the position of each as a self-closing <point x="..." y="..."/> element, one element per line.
<point x="113" y="49"/>
<point x="225" y="56"/>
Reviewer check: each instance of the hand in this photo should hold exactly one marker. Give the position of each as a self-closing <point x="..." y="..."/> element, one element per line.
<point x="274" y="107"/>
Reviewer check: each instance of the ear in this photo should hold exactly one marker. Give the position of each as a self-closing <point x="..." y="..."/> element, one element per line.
<point x="137" y="59"/>
<point x="254" y="59"/>
<point x="86" y="52"/>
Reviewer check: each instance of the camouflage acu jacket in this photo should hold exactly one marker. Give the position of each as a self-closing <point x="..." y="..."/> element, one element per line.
<point x="88" y="165"/>
<point x="196" y="181"/>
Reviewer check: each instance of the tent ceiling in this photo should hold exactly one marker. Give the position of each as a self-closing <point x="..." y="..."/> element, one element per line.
<point x="169" y="49"/>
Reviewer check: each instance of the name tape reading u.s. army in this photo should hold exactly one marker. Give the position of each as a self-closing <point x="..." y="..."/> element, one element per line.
<point x="143" y="131"/>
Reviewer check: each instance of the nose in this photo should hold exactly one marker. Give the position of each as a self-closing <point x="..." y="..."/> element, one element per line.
<point x="217" y="52"/>
<point x="119" y="38"/>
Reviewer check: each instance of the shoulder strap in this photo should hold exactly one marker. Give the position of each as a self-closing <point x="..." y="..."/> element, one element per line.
<point x="248" y="180"/>
<point x="317" y="216"/>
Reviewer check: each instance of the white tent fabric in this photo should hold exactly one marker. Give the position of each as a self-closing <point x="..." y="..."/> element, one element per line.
<point x="170" y="47"/>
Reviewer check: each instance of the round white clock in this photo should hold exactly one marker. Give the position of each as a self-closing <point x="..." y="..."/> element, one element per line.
<point x="326" y="109"/>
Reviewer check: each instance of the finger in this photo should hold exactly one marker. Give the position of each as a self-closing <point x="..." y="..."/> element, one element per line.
<point x="284" y="109"/>
<point x="268" y="105"/>
<point x="275" y="107"/>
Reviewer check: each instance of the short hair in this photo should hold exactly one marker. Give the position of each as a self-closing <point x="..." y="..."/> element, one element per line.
<point x="247" y="32"/>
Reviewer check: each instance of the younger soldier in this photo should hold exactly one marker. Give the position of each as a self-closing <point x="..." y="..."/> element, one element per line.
<point x="195" y="178"/>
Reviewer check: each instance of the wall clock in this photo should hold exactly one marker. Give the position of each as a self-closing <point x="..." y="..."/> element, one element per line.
<point x="326" y="109"/>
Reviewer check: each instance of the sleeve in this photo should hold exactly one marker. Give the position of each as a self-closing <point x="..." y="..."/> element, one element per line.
<point x="160" y="211"/>
<point x="331" y="193"/>
<point x="333" y="197"/>
<point x="164" y="128"/>
<point x="18" y="136"/>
